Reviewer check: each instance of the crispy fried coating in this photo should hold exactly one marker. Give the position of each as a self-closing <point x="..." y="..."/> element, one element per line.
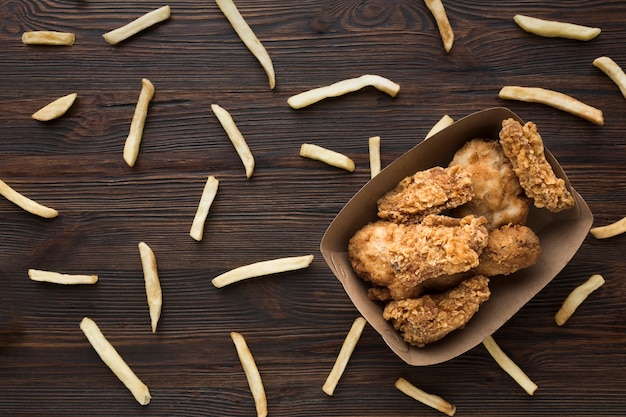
<point x="524" y="148"/>
<point x="431" y="317"/>
<point x="426" y="192"/>
<point x="497" y="192"/>
<point x="510" y="248"/>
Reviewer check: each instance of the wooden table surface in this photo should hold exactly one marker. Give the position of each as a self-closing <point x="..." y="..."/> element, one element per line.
<point x="294" y="322"/>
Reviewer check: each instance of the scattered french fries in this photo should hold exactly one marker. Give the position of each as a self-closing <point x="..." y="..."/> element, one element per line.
<point x="26" y="203"/>
<point x="208" y="195"/>
<point x="235" y="136"/>
<point x="342" y="87"/>
<point x="262" y="268"/>
<point x="48" y="37"/>
<point x="444" y="122"/>
<point x="431" y="400"/>
<point x="58" y="278"/>
<point x="247" y="36"/>
<point x="55" y="109"/>
<point x="610" y="230"/>
<point x="441" y="18"/>
<point x="509" y="366"/>
<point x="153" y="285"/>
<point x="336" y="159"/>
<point x="137" y="124"/>
<point x="252" y="373"/>
<point x="141" y="23"/>
<point x="374" y="151"/>
<point x="613" y="71"/>
<point x="555" y="99"/>
<point x="576" y="298"/>
<point x="345" y="353"/>
<point x="114" y="361"/>
<point x="556" y="29"/>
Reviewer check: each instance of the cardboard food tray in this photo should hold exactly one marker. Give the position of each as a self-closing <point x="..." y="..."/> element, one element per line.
<point x="560" y="234"/>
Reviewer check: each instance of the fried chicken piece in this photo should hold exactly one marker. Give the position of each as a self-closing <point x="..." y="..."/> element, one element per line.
<point x="431" y="317"/>
<point x="497" y="192"/>
<point x="398" y="291"/>
<point x="524" y="148"/>
<point x="510" y="248"/>
<point x="426" y="192"/>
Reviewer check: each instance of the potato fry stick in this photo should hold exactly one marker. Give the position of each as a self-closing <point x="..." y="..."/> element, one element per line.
<point x="374" y="148"/>
<point x="48" y="37"/>
<point x="153" y="285"/>
<point x="262" y="268"/>
<point x="114" y="361"/>
<point x="610" y="230"/>
<point x="252" y="373"/>
<point x="576" y="298"/>
<point x="141" y="23"/>
<point x="445" y="30"/>
<point x="444" y="122"/>
<point x="555" y="29"/>
<point x="431" y="400"/>
<point x="613" y="71"/>
<point x="55" y="109"/>
<point x="247" y="36"/>
<point x="555" y="99"/>
<point x="208" y="195"/>
<point x="327" y="156"/>
<point x="133" y="141"/>
<point x="235" y="137"/>
<point x="25" y="202"/>
<point x="342" y="87"/>
<point x="509" y="366"/>
<point x="57" y="278"/>
<point x="347" y="348"/>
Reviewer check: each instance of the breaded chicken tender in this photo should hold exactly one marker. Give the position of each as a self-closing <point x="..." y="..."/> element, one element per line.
<point x="524" y="148"/>
<point x="510" y="248"/>
<point x="497" y="192"/>
<point x="431" y="317"/>
<point x="426" y="192"/>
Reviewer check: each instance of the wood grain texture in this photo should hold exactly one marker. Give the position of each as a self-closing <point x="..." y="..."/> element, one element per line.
<point x="294" y="322"/>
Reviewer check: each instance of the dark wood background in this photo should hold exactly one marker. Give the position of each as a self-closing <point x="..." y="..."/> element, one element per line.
<point x="294" y="322"/>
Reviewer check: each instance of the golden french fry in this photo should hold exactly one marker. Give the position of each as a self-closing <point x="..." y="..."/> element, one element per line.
<point x="509" y="366"/>
<point x="252" y="373"/>
<point x="153" y="285"/>
<point x="262" y="268"/>
<point x="576" y="298"/>
<point x="135" y="134"/>
<point x="114" y="361"/>
<point x="613" y="71"/>
<point x="347" y="348"/>
<point x="235" y="137"/>
<point x="247" y="36"/>
<point x="441" y="17"/>
<point x="431" y="400"/>
<point x="610" y="230"/>
<point x="374" y="148"/>
<point x="141" y="23"/>
<point x="444" y="122"/>
<point x="342" y="87"/>
<point x="55" y="109"/>
<point x="336" y="159"/>
<point x="555" y="29"/>
<point x="48" y="37"/>
<point x="208" y="195"/>
<point x="25" y="202"/>
<point x="555" y="99"/>
<point x="58" y="278"/>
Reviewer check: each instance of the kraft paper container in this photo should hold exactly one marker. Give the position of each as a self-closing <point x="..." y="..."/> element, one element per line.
<point x="560" y="234"/>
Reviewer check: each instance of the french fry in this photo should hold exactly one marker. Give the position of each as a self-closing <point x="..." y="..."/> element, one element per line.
<point x="555" y="29"/>
<point x="252" y="373"/>
<point x="235" y="137"/>
<point x="431" y="400"/>
<point x="135" y="134"/>
<point x="555" y="99"/>
<point x="613" y="71"/>
<point x="208" y="195"/>
<point x="141" y="23"/>
<point x="610" y="230"/>
<point x="576" y="298"/>
<point x="257" y="269"/>
<point x="374" y="151"/>
<point x="48" y="37"/>
<point x="441" y="18"/>
<point x="55" y="109"/>
<point x="58" y="278"/>
<point x="153" y="285"/>
<point x="336" y="159"/>
<point x="509" y="366"/>
<point x="345" y="353"/>
<point x="342" y="87"/>
<point x="114" y="361"/>
<point x="444" y="122"/>
<point x="247" y="36"/>
<point x="26" y="203"/>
